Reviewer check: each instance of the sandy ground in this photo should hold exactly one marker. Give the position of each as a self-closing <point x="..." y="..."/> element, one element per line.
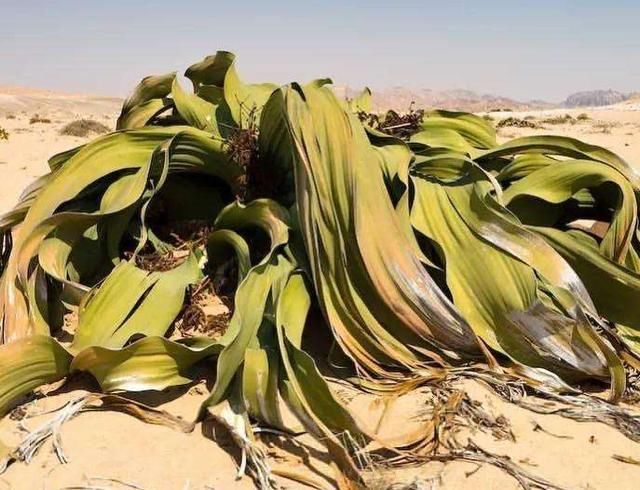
<point x="108" y="450"/>
<point x="615" y="127"/>
<point x="23" y="157"/>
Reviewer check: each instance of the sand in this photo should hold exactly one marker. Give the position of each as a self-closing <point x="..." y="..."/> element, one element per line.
<point x="109" y="450"/>
<point x="614" y="127"/>
<point x="23" y="157"/>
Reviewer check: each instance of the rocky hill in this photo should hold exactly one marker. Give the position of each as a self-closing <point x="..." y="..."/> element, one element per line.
<point x="400" y="98"/>
<point x="595" y="98"/>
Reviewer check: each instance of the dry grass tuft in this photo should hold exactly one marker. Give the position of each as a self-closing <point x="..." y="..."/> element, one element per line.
<point x="4" y="134"/>
<point x="603" y="127"/>
<point x="385" y="482"/>
<point x="564" y="119"/>
<point x="452" y="416"/>
<point x="83" y="128"/>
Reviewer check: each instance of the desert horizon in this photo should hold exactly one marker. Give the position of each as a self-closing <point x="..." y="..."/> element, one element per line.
<point x="395" y="97"/>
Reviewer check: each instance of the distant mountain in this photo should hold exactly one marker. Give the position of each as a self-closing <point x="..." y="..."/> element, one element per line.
<point x="400" y="98"/>
<point x="595" y="98"/>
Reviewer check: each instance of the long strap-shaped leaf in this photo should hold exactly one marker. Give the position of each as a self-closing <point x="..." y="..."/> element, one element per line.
<point x="28" y="363"/>
<point x="305" y="390"/>
<point x="498" y="304"/>
<point x="561" y="146"/>
<point x="559" y="182"/>
<point x="146" y="100"/>
<point x="133" y="302"/>
<point x="376" y="296"/>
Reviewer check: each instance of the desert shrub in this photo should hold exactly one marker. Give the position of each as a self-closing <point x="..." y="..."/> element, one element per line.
<point x="84" y="127"/>
<point x="515" y="122"/>
<point x="583" y="117"/>
<point x="11" y="116"/>
<point x="35" y="119"/>
<point x="4" y="134"/>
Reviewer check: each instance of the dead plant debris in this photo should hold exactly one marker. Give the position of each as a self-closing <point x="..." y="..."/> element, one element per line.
<point x="205" y="313"/>
<point x="400" y="125"/>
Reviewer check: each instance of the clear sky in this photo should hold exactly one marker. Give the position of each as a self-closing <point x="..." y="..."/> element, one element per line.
<point x="519" y="48"/>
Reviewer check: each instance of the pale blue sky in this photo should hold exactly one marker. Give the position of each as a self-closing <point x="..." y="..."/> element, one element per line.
<point x="518" y="48"/>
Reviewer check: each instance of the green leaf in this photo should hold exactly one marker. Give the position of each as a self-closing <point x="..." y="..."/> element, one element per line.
<point x="28" y="363"/>
<point x="245" y="101"/>
<point x="145" y="101"/>
<point x="195" y="111"/>
<point x="306" y="390"/>
<point x="497" y="305"/>
<point x="151" y="363"/>
<point x="362" y="102"/>
<point x="109" y="318"/>
<point x="476" y="131"/>
<point x="250" y="304"/>
<point x="558" y="182"/>
<point x="211" y="71"/>
<point x="382" y="305"/>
